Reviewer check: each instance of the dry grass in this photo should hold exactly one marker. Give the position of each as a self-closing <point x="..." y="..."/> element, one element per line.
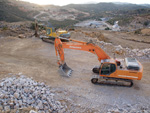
<point x="97" y="35"/>
<point x="146" y="32"/>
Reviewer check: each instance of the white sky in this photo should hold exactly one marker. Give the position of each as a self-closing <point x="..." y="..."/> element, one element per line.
<point x="65" y="2"/>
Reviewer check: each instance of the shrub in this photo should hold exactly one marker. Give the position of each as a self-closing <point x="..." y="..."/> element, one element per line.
<point x="4" y="28"/>
<point x="63" y="24"/>
<point x="146" y="23"/>
<point x="107" y="28"/>
<point x="32" y="26"/>
<point x="138" y="31"/>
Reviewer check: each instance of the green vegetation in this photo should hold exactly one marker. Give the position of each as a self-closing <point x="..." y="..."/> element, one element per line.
<point x="107" y="28"/>
<point x="124" y="13"/>
<point x="122" y="20"/>
<point x="63" y="24"/>
<point x="138" y="31"/>
<point x="104" y="7"/>
<point x="32" y="26"/>
<point x="99" y="19"/>
<point x="12" y="13"/>
<point x="4" y="28"/>
<point x="146" y="23"/>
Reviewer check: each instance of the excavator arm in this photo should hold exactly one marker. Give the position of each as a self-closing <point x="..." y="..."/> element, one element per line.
<point x="77" y="45"/>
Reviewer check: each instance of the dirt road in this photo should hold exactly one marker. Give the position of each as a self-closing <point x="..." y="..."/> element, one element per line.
<point x="128" y="39"/>
<point x="36" y="59"/>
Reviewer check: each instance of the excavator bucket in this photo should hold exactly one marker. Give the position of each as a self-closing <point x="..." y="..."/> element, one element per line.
<point x="65" y="70"/>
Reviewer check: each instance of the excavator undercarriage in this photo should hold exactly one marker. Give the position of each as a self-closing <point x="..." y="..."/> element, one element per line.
<point x="96" y="79"/>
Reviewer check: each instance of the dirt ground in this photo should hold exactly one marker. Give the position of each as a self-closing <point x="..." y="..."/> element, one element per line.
<point x="37" y="59"/>
<point x="125" y="39"/>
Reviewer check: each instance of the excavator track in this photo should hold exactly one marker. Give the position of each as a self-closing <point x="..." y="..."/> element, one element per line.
<point x="112" y="81"/>
<point x="52" y="40"/>
<point x="48" y="40"/>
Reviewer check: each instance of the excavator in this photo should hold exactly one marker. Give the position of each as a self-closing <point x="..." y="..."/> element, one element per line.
<point x="52" y="34"/>
<point x="111" y="71"/>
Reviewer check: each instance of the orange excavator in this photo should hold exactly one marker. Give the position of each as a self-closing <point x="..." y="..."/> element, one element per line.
<point x="110" y="72"/>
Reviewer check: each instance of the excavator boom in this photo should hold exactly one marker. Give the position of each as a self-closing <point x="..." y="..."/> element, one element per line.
<point x="77" y="45"/>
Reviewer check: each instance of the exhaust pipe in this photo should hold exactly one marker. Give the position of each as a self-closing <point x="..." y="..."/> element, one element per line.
<point x="65" y="70"/>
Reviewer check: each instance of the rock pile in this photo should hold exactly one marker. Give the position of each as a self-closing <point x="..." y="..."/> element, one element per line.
<point x="22" y="92"/>
<point x="142" y="52"/>
<point x="137" y="53"/>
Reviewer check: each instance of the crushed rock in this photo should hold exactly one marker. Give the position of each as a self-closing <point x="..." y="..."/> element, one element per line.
<point x="137" y="108"/>
<point x="137" y="53"/>
<point x="23" y="92"/>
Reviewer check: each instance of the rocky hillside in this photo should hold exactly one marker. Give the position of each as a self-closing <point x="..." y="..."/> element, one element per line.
<point x="136" y="16"/>
<point x="101" y="7"/>
<point x="12" y="12"/>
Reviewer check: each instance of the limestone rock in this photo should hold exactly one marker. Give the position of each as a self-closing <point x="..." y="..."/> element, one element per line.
<point x="7" y="108"/>
<point x="16" y="95"/>
<point x="32" y="111"/>
<point x="22" y="92"/>
<point x="21" y="36"/>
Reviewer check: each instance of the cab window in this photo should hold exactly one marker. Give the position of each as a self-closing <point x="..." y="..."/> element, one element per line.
<point x="107" y="69"/>
<point x="67" y="35"/>
<point x="112" y="68"/>
<point x="48" y="31"/>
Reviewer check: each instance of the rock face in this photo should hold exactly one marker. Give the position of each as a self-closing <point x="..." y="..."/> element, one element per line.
<point x="22" y="92"/>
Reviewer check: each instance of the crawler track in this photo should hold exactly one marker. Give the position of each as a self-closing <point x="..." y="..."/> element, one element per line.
<point x="48" y="40"/>
<point x="112" y="81"/>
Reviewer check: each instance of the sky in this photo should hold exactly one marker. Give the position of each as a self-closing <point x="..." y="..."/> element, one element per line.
<point x="65" y="2"/>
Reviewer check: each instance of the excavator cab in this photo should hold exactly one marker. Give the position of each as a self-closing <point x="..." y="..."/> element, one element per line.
<point x="48" y="31"/>
<point x="107" y="69"/>
<point x="51" y="32"/>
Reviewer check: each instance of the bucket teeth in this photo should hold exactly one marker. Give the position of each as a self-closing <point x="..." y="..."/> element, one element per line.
<point x="65" y="70"/>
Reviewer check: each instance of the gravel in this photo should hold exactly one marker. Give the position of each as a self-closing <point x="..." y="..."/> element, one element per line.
<point x="22" y="92"/>
<point x="138" y="108"/>
<point x="137" y="53"/>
